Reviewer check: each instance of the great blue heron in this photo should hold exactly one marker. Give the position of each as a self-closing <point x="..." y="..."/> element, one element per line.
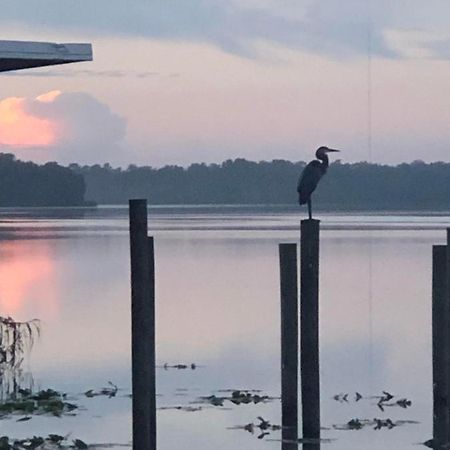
<point x="311" y="176"/>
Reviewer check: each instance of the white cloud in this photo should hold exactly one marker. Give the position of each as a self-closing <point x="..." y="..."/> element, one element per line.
<point x="80" y="128"/>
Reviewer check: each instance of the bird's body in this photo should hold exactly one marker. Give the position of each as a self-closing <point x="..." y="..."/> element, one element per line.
<point x="309" y="180"/>
<point x="311" y="175"/>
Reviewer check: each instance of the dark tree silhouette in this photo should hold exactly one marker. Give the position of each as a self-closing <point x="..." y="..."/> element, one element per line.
<point x="359" y="186"/>
<point x="29" y="184"/>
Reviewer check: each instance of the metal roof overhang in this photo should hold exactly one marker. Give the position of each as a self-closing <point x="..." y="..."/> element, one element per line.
<point x="17" y="55"/>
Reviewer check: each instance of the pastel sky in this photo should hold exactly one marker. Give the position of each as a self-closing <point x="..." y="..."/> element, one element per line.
<point x="181" y="81"/>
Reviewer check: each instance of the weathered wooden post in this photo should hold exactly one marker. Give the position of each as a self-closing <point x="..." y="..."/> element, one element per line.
<point x="440" y="324"/>
<point x="142" y="328"/>
<point x="289" y="344"/>
<point x="309" y="324"/>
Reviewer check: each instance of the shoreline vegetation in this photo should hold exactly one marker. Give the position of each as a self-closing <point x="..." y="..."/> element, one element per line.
<point x="30" y="184"/>
<point x="347" y="187"/>
<point x="362" y="186"/>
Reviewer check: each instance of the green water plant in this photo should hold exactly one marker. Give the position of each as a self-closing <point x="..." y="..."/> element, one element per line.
<point x="376" y="424"/>
<point x="51" y="442"/>
<point x="237" y="397"/>
<point x="109" y="391"/>
<point x="44" y="402"/>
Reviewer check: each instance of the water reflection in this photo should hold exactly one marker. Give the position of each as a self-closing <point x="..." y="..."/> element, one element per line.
<point x="27" y="277"/>
<point x="218" y="306"/>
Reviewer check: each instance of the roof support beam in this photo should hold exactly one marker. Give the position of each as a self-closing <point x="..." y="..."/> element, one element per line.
<point x="18" y="55"/>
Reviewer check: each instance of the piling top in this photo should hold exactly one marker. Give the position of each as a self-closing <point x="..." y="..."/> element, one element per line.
<point x="310" y="229"/>
<point x="137" y="201"/>
<point x="287" y="245"/>
<point x="310" y="221"/>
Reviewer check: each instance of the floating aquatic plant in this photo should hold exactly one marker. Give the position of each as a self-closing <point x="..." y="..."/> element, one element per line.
<point x="344" y="397"/>
<point x="44" y="402"/>
<point x="181" y="408"/>
<point x="237" y="398"/>
<point x="376" y="424"/>
<point x="402" y="403"/>
<point x="263" y="428"/>
<point x="109" y="392"/>
<point x="167" y="366"/>
<point x="383" y="400"/>
<point x="51" y="442"/>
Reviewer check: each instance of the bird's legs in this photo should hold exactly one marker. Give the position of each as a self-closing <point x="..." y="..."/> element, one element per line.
<point x="309" y="209"/>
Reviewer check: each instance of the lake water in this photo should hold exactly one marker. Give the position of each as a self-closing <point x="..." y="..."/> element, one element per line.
<point x="218" y="306"/>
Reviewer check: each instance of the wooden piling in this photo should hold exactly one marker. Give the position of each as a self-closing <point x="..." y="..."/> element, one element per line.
<point x="143" y="328"/>
<point x="289" y="344"/>
<point x="440" y="324"/>
<point x="309" y="323"/>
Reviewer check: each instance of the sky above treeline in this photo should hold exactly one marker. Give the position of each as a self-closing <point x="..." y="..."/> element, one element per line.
<point x="181" y="81"/>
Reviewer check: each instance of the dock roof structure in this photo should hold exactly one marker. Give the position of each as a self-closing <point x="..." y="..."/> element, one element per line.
<point x="18" y="55"/>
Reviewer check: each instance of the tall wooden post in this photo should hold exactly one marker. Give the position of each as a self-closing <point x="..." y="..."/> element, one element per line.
<point x="447" y="287"/>
<point x="440" y="325"/>
<point x="142" y="328"/>
<point x="289" y="344"/>
<point x="309" y="323"/>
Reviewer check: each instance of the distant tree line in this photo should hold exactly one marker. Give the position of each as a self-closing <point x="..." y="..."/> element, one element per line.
<point x="358" y="186"/>
<point x="30" y="184"/>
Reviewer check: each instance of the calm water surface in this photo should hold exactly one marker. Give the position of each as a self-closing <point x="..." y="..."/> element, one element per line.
<point x="218" y="307"/>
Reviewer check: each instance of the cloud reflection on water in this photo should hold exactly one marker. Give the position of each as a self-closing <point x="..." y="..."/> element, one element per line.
<point x="28" y="286"/>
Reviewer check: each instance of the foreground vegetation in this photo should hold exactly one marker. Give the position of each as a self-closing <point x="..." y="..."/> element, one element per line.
<point x="52" y="441"/>
<point x="27" y="403"/>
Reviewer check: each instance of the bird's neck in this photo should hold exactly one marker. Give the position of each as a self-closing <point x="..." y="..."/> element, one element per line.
<point x="325" y="161"/>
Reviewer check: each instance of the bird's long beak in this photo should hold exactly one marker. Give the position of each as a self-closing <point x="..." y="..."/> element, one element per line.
<point x="332" y="150"/>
